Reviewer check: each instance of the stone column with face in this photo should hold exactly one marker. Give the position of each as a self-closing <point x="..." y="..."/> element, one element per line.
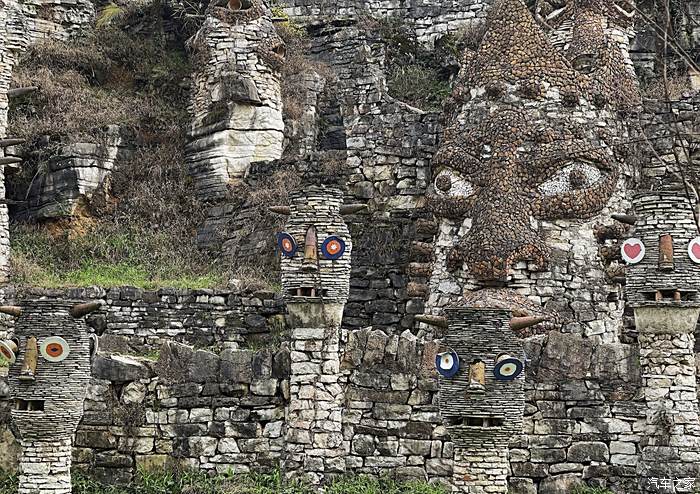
<point x="236" y="103"/>
<point x="50" y="354"/>
<point x="481" y="395"/>
<point x="316" y="249"/>
<point x="525" y="164"/>
<point x="663" y="287"/>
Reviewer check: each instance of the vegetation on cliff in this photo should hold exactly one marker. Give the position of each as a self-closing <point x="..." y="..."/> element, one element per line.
<point x="140" y="228"/>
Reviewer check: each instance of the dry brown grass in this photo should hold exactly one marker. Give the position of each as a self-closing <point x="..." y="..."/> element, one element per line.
<point x="297" y="67"/>
<point x="677" y="86"/>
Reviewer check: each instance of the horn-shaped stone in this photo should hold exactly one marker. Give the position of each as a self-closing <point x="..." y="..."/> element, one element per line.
<point x="21" y="91"/>
<point x="4" y="143"/>
<point x="11" y="310"/>
<point x="518" y="323"/>
<point x="438" y="321"/>
<point x="81" y="310"/>
<point x="10" y="160"/>
<point x="625" y="218"/>
<point x="352" y="208"/>
<point x="11" y="202"/>
<point x="280" y="210"/>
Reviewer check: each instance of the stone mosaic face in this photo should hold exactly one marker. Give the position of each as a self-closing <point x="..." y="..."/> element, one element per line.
<point x="49" y="378"/>
<point x="530" y="138"/>
<point x="315" y="248"/>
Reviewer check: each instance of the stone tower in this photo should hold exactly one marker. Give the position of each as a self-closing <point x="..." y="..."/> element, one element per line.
<point x="236" y="102"/>
<point x="316" y="249"/>
<point x="662" y="286"/>
<point x="480" y="409"/>
<point x="50" y="354"/>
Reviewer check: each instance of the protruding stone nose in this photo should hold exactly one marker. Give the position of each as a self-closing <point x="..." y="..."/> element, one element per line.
<point x="310" y="250"/>
<point x="500" y="237"/>
<point x="666" y="253"/>
<point x="29" y="361"/>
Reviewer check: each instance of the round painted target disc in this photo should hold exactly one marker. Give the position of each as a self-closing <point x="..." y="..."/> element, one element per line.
<point x="694" y="250"/>
<point x="54" y="349"/>
<point x="632" y="250"/>
<point x="508" y="369"/>
<point x="286" y="244"/>
<point x="447" y="364"/>
<point x="7" y="352"/>
<point x="333" y="248"/>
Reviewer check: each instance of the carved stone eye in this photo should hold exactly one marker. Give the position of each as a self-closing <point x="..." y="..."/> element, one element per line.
<point x="449" y="183"/>
<point x="443" y="183"/>
<point x="575" y="176"/>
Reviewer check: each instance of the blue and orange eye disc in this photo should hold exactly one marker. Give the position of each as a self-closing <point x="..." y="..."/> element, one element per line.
<point x="333" y="248"/>
<point x="508" y="369"/>
<point x="447" y="364"/>
<point x="287" y="246"/>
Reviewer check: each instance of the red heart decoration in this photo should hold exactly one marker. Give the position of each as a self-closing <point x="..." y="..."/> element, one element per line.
<point x="696" y="250"/>
<point x="633" y="251"/>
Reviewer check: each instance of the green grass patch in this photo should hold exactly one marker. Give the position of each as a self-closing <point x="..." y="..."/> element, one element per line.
<point x="591" y="490"/>
<point x="194" y="482"/>
<point x="108" y="255"/>
<point x="8" y="483"/>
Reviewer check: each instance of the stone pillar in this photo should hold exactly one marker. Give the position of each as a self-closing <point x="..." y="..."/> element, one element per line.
<point x="663" y="287"/>
<point x="316" y="249"/>
<point x="45" y="467"/>
<point x="672" y="433"/>
<point x="481" y="413"/>
<point x="48" y="382"/>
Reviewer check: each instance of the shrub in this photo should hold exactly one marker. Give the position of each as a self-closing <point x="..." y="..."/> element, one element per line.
<point x="8" y="483"/>
<point x="297" y="67"/>
<point x="383" y="485"/>
<point x="591" y="490"/>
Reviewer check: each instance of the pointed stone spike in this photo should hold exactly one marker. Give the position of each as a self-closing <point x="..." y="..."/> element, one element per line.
<point x="518" y="323"/>
<point x="81" y="310"/>
<point x="11" y="310"/>
<point x="439" y="321"/>
<point x="280" y="210"/>
<point x="21" y="91"/>
<point x="4" y="143"/>
<point x="625" y="218"/>
<point x="10" y="160"/>
<point x="353" y="208"/>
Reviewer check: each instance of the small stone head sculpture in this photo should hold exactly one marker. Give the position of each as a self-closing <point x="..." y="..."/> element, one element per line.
<point x="316" y="249"/>
<point x="663" y="256"/>
<point x="50" y="354"/>
<point x="484" y="398"/>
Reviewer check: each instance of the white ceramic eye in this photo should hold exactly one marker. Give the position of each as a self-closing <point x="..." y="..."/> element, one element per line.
<point x="507" y="368"/>
<point x="633" y="250"/>
<point x="54" y="349"/>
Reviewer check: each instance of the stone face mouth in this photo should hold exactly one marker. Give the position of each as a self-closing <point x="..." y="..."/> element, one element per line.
<point x="485" y="422"/>
<point x="307" y="292"/>
<point x="29" y="405"/>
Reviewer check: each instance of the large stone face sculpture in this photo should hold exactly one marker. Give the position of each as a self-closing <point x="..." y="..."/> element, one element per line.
<point x="528" y="154"/>
<point x="315" y="248"/>
<point x="50" y="354"/>
<point x="236" y="104"/>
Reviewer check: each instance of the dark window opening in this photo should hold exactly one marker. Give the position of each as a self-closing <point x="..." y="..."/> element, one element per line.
<point x="306" y="291"/>
<point x="29" y="405"/>
<point x="475" y="421"/>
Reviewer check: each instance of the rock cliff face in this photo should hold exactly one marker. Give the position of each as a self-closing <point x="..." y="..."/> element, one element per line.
<point x="501" y="203"/>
